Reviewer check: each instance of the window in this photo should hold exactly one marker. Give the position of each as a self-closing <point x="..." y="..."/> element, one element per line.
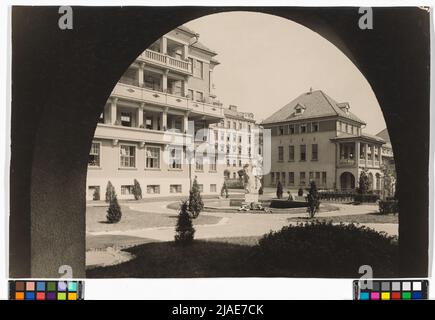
<point x="249" y="128"/>
<point x="234" y="125"/>
<point x="234" y="137"/>
<point x="201" y="187"/>
<point x="149" y="123"/>
<point x="283" y="178"/>
<point x="216" y="136"/>
<point x="212" y="164"/>
<point x="302" y="178"/>
<point x="126" y="119"/>
<point x="314" y="152"/>
<point x="197" y="68"/>
<point x="291" y="153"/>
<point x="240" y="150"/>
<point x="240" y="139"/>
<point x="291" y="129"/>
<point x="94" y="193"/>
<point x="228" y="124"/>
<point x="175" y="188"/>
<point x="303" y="152"/>
<point x="175" y="157"/>
<point x="199" y="96"/>
<point x="317" y="179"/>
<point x="234" y="175"/>
<point x="213" y="188"/>
<point x="303" y="128"/>
<point x="234" y="163"/>
<point x="222" y="136"/>
<point x="190" y="94"/>
<point x="228" y="137"/>
<point x="228" y="162"/>
<point x="127" y="190"/>
<point x="128" y="156"/>
<point x="311" y="176"/>
<point x="291" y="178"/>
<point x="324" y="178"/>
<point x="101" y="118"/>
<point x="152" y="157"/>
<point x="280" y="131"/>
<point x="153" y="189"/>
<point x="315" y="127"/>
<point x="240" y="163"/>
<point x="272" y="177"/>
<point x="199" y="164"/>
<point x="222" y="148"/>
<point x="94" y="155"/>
<point x="240" y="125"/>
<point x="280" y="153"/>
<point x="234" y="149"/>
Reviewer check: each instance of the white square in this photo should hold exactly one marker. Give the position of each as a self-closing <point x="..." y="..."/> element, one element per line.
<point x="406" y="286"/>
<point x="416" y="286"/>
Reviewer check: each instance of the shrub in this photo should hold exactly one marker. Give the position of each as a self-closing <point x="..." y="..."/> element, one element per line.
<point x="313" y="200"/>
<point x="110" y="191"/>
<point x="195" y="202"/>
<point x="114" y="213"/>
<point x="279" y="190"/>
<point x="287" y="204"/>
<point x="364" y="183"/>
<point x="260" y="191"/>
<point x="234" y="184"/>
<point x="370" y="197"/>
<point x="96" y="195"/>
<point x="137" y="190"/>
<point x="224" y="190"/>
<point x="300" y="192"/>
<point x="388" y="206"/>
<point x="320" y="249"/>
<point x="336" y="196"/>
<point x="184" y="231"/>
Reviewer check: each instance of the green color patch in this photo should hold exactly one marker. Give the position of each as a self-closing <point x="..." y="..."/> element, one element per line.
<point x="406" y="295"/>
<point x="61" y="296"/>
<point x="51" y="286"/>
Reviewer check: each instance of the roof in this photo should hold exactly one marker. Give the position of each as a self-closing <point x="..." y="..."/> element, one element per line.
<point x="186" y="29"/>
<point x="238" y="115"/>
<point x="316" y="104"/>
<point x="201" y="46"/>
<point x="384" y="135"/>
<point x="362" y="136"/>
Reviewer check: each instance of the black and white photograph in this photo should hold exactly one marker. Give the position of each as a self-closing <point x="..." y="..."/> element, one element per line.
<point x="211" y="142"/>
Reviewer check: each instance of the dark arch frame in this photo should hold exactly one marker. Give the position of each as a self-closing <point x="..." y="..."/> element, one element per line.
<point x="61" y="80"/>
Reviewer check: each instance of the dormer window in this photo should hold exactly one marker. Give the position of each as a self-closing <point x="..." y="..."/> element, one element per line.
<point x="299" y="109"/>
<point x="344" y="107"/>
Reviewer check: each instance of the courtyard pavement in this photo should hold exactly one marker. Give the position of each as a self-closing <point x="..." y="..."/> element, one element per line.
<point x="231" y="225"/>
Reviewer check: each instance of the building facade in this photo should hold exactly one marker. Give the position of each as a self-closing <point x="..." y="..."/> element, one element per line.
<point x="315" y="138"/>
<point x="152" y="126"/>
<point x="239" y="139"/>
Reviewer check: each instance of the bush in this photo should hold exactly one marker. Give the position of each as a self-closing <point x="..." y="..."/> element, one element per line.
<point x="320" y="249"/>
<point x="300" y="192"/>
<point x="388" y="206"/>
<point x="195" y="201"/>
<point x="279" y="190"/>
<point x="110" y="191"/>
<point x="114" y="213"/>
<point x="286" y="204"/>
<point x="224" y="190"/>
<point x="234" y="184"/>
<point x="370" y="197"/>
<point x="96" y="195"/>
<point x="313" y="200"/>
<point x="336" y="196"/>
<point x="137" y="190"/>
<point x="363" y="183"/>
<point x="184" y="232"/>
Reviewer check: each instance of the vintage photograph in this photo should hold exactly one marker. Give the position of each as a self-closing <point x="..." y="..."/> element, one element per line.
<point x="237" y="143"/>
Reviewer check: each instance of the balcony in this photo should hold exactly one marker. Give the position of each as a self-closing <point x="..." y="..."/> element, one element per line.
<point x="131" y="92"/>
<point x="164" y="60"/>
<point x="115" y="132"/>
<point x="346" y="162"/>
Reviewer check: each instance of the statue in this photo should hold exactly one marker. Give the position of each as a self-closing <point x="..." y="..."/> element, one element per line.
<point x="251" y="179"/>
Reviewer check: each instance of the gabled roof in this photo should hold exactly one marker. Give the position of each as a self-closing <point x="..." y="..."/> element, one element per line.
<point x="316" y="103"/>
<point x="186" y="29"/>
<point x="201" y="46"/>
<point x="384" y="135"/>
<point x="362" y="136"/>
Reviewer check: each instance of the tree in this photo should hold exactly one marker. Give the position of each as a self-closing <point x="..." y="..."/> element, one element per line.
<point x="137" y="190"/>
<point x="110" y="191"/>
<point x="313" y="200"/>
<point x="389" y="179"/>
<point x="195" y="202"/>
<point x="279" y="190"/>
<point x="224" y="190"/>
<point x="364" y="183"/>
<point x="114" y="213"/>
<point x="184" y="231"/>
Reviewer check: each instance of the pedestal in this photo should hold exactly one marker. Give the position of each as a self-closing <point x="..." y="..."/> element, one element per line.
<point x="251" y="197"/>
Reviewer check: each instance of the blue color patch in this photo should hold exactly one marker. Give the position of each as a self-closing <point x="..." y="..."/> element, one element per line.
<point x="417" y="295"/>
<point x="40" y="286"/>
<point x="30" y="296"/>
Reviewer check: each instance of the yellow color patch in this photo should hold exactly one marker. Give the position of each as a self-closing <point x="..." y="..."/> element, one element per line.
<point x="385" y="296"/>
<point x="72" y="296"/>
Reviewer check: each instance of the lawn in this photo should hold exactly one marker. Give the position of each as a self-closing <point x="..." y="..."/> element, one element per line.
<point x="132" y="219"/>
<point x="357" y="218"/>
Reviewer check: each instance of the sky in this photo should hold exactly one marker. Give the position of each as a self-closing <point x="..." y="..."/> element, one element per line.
<point x="267" y="61"/>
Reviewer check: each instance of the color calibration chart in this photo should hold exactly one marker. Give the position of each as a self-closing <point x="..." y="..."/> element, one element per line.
<point x="46" y="290"/>
<point x="391" y="290"/>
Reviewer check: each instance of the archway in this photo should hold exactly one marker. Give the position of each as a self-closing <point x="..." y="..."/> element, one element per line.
<point x="49" y="113"/>
<point x="347" y="181"/>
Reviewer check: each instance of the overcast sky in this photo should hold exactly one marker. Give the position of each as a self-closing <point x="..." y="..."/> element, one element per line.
<point x="267" y="61"/>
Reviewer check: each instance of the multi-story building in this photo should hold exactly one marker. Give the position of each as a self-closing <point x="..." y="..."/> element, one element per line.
<point x="153" y="120"/>
<point x="238" y="138"/>
<point x="390" y="176"/>
<point x="317" y="138"/>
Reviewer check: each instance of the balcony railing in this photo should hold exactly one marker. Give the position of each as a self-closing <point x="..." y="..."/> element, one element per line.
<point x="123" y="90"/>
<point x="165" y="60"/>
<point x="347" y="162"/>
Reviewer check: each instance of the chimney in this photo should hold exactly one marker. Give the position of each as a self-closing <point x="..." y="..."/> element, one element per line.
<point x="232" y="107"/>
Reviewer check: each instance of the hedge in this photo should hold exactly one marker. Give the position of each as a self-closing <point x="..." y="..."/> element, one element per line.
<point x="234" y="183"/>
<point x="388" y="206"/>
<point x="366" y="197"/>
<point x="285" y="204"/>
<point x="348" y="196"/>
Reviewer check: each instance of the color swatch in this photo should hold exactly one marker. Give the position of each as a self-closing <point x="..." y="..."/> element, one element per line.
<point x="391" y="290"/>
<point x="45" y="290"/>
